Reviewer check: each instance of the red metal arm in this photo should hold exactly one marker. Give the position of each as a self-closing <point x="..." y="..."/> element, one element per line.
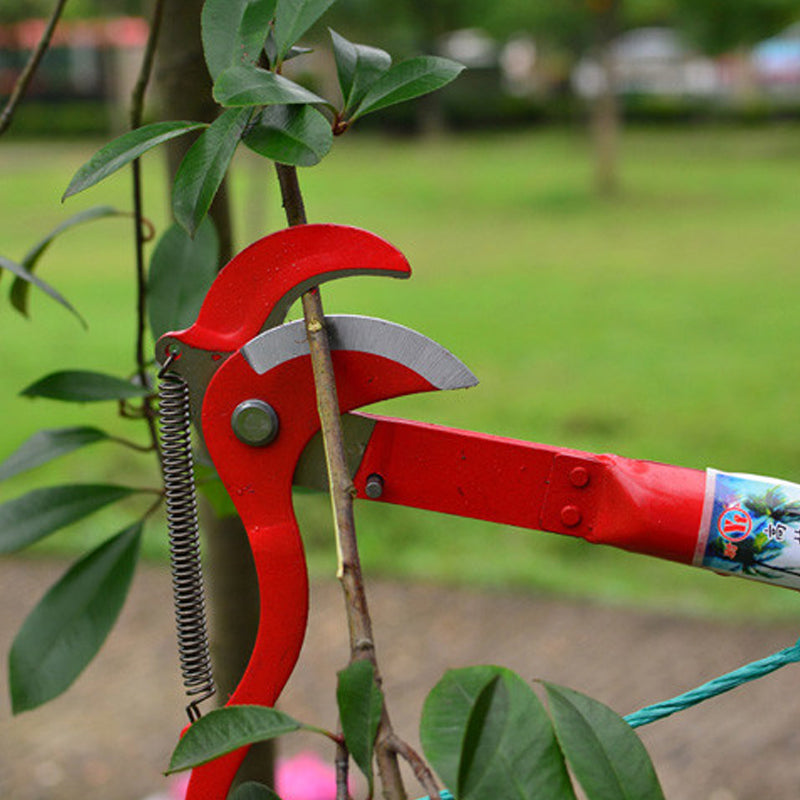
<point x="640" y="506"/>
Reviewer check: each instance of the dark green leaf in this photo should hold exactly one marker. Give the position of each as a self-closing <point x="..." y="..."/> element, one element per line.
<point x="360" y="706"/>
<point x="293" y="18"/>
<point x="358" y="67"/>
<point x="296" y="135"/>
<point x="47" y="445"/>
<point x="40" y="512"/>
<point x="271" y="50"/>
<point x="20" y="286"/>
<point x="181" y="271"/>
<point x="123" y="150"/>
<point x="234" y="32"/>
<point x="246" y="85"/>
<point x="254" y="791"/>
<point x="605" y="754"/>
<point x="487" y="734"/>
<point x="204" y="167"/>
<point x="407" y="80"/>
<point x="82" y="386"/>
<point x="23" y="274"/>
<point x="70" y="623"/>
<point x="489" y="712"/>
<point x="226" y="729"/>
<point x="445" y="715"/>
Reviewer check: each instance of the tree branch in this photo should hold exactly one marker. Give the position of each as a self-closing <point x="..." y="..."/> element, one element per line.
<point x="21" y="86"/>
<point x="342" y="492"/>
<point x="422" y="771"/>
<point x="342" y="763"/>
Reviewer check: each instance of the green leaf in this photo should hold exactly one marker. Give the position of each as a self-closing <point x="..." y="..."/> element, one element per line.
<point x="204" y="167"/>
<point x="358" y="67"/>
<point x="23" y="274"/>
<point x="360" y="703"/>
<point x="296" y="135"/>
<point x="21" y="285"/>
<point x="605" y="754"/>
<point x="70" y="623"/>
<point x="181" y="271"/>
<point x="83" y="386"/>
<point x="293" y="18"/>
<point x="445" y="715"/>
<point x="40" y="512"/>
<point x="489" y="712"/>
<point x="254" y="791"/>
<point x="487" y="735"/>
<point x="271" y="50"/>
<point x="246" y="85"/>
<point x="224" y="730"/>
<point x="47" y="445"/>
<point x="234" y="32"/>
<point x="407" y="80"/>
<point x="124" y="149"/>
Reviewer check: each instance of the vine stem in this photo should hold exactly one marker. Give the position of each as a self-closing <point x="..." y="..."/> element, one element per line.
<point x="21" y="86"/>
<point x="136" y="115"/>
<point x="342" y="492"/>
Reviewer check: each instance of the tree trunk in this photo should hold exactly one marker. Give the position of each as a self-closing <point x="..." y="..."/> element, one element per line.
<point x="605" y="112"/>
<point x="183" y="87"/>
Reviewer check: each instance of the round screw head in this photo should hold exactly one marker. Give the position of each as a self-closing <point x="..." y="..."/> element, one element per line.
<point x="579" y="477"/>
<point x="255" y="422"/>
<point x="374" y="486"/>
<point x="571" y="516"/>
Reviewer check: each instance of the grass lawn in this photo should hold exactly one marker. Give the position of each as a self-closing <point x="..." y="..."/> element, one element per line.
<point x="660" y="325"/>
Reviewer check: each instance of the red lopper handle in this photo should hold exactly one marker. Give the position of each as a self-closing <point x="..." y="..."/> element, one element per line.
<point x="641" y="506"/>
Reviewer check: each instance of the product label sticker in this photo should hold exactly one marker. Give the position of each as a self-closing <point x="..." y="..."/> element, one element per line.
<point x="751" y="528"/>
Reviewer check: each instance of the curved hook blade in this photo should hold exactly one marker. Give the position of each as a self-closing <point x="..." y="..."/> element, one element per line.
<point x="363" y="334"/>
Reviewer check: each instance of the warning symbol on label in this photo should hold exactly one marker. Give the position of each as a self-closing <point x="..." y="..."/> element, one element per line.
<point x="735" y="524"/>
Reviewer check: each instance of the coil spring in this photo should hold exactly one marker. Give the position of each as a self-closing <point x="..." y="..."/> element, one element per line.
<point x="184" y="541"/>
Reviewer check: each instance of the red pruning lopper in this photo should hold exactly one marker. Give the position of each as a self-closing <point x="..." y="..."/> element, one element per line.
<point x="245" y="380"/>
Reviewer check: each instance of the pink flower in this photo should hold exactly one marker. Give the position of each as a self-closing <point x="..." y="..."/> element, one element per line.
<point x="305" y="777"/>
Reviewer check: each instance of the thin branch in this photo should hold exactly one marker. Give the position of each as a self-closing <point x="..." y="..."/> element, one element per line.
<point x="140" y="236"/>
<point x="342" y="764"/>
<point x="139" y="448"/>
<point x="422" y="771"/>
<point x="342" y="492"/>
<point x="21" y="86"/>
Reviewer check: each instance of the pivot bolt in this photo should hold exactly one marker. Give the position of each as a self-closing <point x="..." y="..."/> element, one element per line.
<point x="255" y="422"/>
<point x="374" y="486"/>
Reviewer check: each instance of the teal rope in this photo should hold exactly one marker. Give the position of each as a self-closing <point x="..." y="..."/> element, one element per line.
<point x="749" y="672"/>
<point x="444" y="794"/>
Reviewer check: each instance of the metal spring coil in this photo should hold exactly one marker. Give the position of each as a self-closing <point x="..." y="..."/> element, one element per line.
<point x="184" y="541"/>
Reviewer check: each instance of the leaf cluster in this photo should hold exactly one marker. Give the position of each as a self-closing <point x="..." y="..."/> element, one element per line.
<point x="247" y="44"/>
<point x="483" y="729"/>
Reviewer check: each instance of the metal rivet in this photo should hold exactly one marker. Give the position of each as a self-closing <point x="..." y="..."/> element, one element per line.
<point x="579" y="477"/>
<point x="571" y="516"/>
<point x="374" y="486"/>
<point x="255" y="422"/>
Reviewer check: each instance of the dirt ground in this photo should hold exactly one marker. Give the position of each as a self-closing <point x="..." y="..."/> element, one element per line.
<point x="110" y="736"/>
